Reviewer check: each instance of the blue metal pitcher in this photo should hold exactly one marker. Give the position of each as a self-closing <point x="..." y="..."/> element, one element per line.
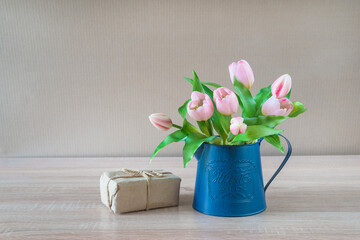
<point x="229" y="180"/>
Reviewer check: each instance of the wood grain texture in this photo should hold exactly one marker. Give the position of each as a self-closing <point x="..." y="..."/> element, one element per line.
<point x="58" y="198"/>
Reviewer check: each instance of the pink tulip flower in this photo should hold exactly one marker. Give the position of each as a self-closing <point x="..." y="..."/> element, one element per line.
<point x="281" y="87"/>
<point x="226" y="101"/>
<point x="161" y="121"/>
<point x="237" y="126"/>
<point x="200" y="108"/>
<point x="243" y="72"/>
<point x="274" y="106"/>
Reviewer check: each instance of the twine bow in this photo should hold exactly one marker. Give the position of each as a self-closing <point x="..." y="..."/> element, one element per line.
<point x="147" y="174"/>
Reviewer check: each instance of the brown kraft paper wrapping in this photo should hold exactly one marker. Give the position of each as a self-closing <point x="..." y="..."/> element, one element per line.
<point x="128" y="190"/>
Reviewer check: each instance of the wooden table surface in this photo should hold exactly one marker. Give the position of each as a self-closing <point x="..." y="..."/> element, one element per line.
<point x="314" y="197"/>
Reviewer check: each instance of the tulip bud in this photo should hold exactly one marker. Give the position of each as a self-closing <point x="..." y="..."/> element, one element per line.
<point x="237" y="126"/>
<point x="226" y="101"/>
<point x="160" y="121"/>
<point x="281" y="87"/>
<point x="279" y="107"/>
<point x="200" y="107"/>
<point x="243" y="72"/>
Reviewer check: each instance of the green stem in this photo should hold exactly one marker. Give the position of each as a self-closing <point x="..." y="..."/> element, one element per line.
<point x="209" y="127"/>
<point x="223" y="138"/>
<point x="177" y="126"/>
<point x="229" y="138"/>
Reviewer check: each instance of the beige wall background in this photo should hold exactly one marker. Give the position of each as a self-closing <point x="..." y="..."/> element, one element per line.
<point x="79" y="78"/>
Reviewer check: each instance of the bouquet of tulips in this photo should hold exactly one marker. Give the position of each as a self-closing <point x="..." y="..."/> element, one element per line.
<point x="213" y="111"/>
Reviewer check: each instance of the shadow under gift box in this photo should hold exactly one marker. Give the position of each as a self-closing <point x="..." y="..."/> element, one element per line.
<point x="122" y="192"/>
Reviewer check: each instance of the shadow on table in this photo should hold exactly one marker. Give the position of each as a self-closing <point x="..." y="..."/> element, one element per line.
<point x="298" y="200"/>
<point x="186" y="199"/>
<point x="311" y="201"/>
<point x="284" y="200"/>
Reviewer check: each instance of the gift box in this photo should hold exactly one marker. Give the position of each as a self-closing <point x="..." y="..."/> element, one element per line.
<point x="131" y="190"/>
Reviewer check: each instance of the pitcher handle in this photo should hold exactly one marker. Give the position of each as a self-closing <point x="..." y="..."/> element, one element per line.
<point x="282" y="164"/>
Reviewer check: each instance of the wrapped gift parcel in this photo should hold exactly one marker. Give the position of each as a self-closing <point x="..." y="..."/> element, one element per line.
<point x="128" y="190"/>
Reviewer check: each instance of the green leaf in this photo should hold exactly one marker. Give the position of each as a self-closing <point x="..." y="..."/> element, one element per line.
<point x="239" y="100"/>
<point x="189" y="80"/>
<point x="256" y="131"/>
<point x="263" y="95"/>
<point x="183" y="110"/>
<point x="288" y="95"/>
<point x="207" y="90"/>
<point x="225" y="121"/>
<point x="212" y="84"/>
<point x="268" y="121"/>
<point x="271" y="120"/>
<point x="197" y="86"/>
<point x="298" y="109"/>
<point x="219" y="128"/>
<point x="216" y="141"/>
<point x="251" y="121"/>
<point x="192" y="143"/>
<point x="176" y="136"/>
<point x="205" y="127"/>
<point x="275" y="141"/>
<point x="188" y="127"/>
<point x="245" y="99"/>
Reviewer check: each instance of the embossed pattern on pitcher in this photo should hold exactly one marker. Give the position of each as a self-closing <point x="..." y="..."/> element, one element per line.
<point x="235" y="183"/>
